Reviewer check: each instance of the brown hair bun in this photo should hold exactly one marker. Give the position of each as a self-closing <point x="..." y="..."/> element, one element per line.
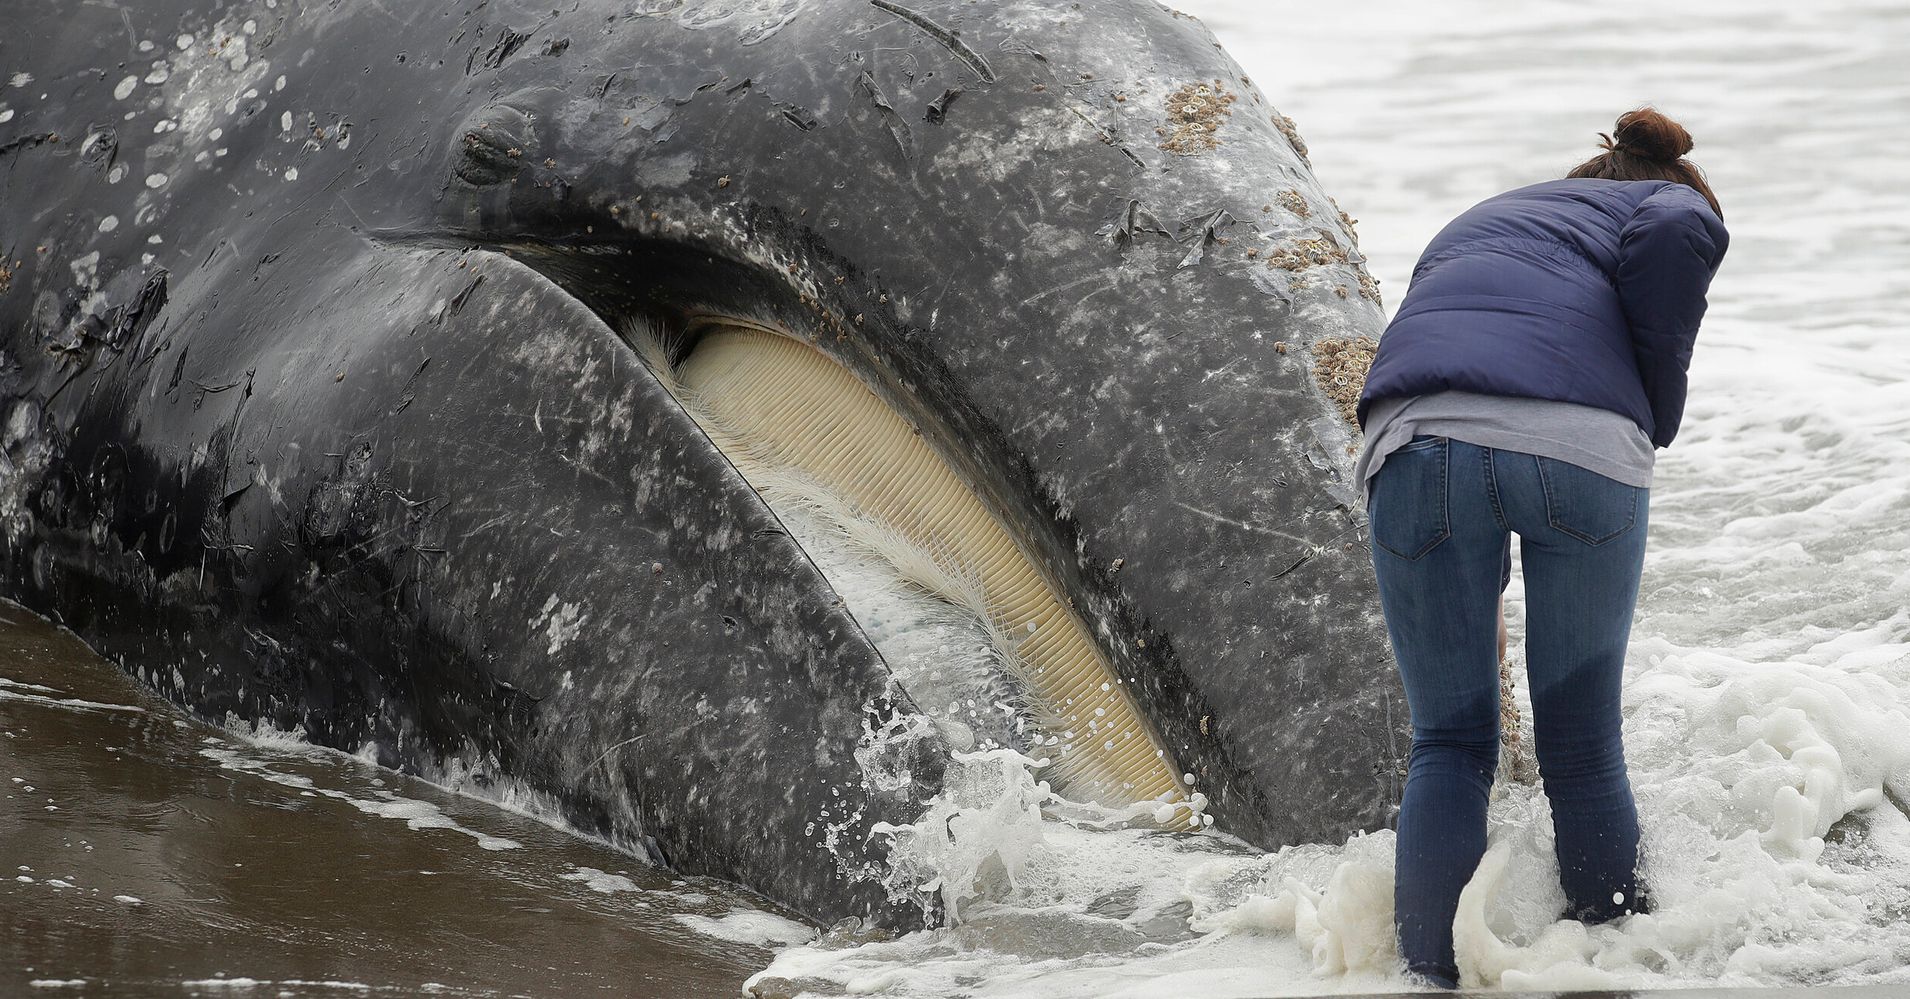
<point x="1648" y="134"/>
<point x="1646" y="145"/>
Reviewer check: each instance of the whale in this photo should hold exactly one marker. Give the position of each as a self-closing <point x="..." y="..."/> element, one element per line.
<point x="493" y="391"/>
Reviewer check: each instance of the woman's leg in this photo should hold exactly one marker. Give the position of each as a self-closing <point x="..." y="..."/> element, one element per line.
<point x="1583" y="544"/>
<point x="1438" y="545"/>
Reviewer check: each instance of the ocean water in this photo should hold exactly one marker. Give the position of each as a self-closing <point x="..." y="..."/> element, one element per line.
<point x="1768" y="687"/>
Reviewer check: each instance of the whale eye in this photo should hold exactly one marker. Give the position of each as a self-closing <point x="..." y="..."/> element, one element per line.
<point x="493" y="146"/>
<point x="814" y="440"/>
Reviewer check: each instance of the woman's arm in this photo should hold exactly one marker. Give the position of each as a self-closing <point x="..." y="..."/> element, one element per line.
<point x="1667" y="255"/>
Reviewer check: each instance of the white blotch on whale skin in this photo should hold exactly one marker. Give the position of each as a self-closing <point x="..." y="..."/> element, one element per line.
<point x="273" y="485"/>
<point x="559" y="622"/>
<point x="109" y="223"/>
<point x="22" y="79"/>
<point x="86" y="269"/>
<point x="184" y="42"/>
<point x="159" y="72"/>
<point x="285" y="121"/>
<point x="291" y="173"/>
<point x="278" y="84"/>
<point x="156" y="180"/>
<point x="125" y="88"/>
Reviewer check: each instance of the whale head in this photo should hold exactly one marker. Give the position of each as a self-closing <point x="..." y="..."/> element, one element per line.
<point x="1034" y="310"/>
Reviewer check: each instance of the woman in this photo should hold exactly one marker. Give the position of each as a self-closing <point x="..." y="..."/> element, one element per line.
<point x="1537" y="360"/>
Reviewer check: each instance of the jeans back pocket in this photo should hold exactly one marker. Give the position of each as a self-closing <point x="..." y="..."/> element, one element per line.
<point x="1586" y="505"/>
<point x="1407" y="509"/>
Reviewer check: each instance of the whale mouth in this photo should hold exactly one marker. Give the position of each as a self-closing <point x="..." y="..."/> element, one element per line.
<point x="823" y="449"/>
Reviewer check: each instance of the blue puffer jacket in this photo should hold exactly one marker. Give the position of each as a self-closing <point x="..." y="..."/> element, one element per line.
<point x="1585" y="291"/>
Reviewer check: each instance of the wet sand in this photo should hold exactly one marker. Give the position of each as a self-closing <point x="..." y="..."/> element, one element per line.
<point x="143" y="852"/>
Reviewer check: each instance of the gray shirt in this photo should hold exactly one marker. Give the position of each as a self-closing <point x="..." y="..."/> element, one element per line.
<point x="1594" y="439"/>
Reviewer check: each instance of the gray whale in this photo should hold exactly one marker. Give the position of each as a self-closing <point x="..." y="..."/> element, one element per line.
<point x="322" y="407"/>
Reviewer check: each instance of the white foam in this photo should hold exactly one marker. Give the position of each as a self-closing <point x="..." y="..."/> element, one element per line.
<point x="599" y="881"/>
<point x="759" y="929"/>
<point x="11" y="694"/>
<point x="420" y="815"/>
<point x="34" y="687"/>
<point x="254" y="760"/>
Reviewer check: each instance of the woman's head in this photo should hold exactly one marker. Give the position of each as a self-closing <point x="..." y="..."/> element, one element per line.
<point x="1646" y="145"/>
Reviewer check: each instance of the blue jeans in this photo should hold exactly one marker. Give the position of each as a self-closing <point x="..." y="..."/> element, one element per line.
<point x="1442" y="512"/>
